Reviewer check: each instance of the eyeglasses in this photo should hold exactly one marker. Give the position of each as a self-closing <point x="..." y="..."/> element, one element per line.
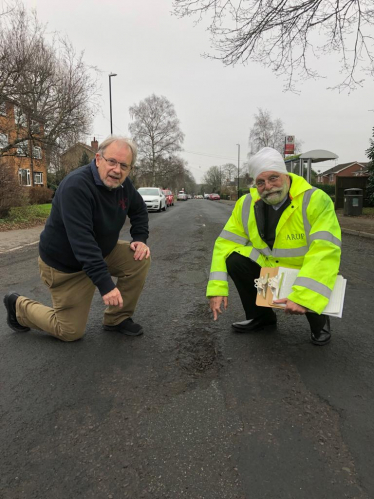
<point x="113" y="163"/>
<point x="273" y="179"/>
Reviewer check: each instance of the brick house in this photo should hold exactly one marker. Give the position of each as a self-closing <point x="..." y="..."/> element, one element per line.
<point x="26" y="157"/>
<point x="353" y="169"/>
<point x="71" y="158"/>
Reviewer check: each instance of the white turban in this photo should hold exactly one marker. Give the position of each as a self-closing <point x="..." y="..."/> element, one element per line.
<point x="266" y="160"/>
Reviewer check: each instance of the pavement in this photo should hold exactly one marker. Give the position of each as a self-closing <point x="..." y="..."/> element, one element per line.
<point x="12" y="240"/>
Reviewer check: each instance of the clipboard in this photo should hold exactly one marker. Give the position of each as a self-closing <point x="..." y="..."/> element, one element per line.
<point x="287" y="277"/>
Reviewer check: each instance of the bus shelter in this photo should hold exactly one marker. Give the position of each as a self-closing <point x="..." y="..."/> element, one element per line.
<point x="296" y="164"/>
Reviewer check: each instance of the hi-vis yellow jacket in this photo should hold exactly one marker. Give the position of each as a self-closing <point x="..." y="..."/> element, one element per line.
<point x="308" y="238"/>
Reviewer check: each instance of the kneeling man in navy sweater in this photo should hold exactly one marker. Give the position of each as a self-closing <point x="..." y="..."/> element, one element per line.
<point x="80" y="251"/>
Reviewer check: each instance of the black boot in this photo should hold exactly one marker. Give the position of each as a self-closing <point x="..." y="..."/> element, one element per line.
<point x="10" y="300"/>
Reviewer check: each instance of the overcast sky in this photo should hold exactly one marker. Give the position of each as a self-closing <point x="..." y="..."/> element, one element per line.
<point x="154" y="52"/>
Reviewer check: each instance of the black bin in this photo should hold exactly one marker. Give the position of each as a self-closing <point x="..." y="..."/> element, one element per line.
<point x="352" y="202"/>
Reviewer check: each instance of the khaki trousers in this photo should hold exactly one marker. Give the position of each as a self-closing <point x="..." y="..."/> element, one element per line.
<point x="72" y="296"/>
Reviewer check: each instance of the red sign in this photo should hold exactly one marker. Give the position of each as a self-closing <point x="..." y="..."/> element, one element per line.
<point x="289" y="145"/>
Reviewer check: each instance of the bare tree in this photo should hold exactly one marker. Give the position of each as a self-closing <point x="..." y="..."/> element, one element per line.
<point x="229" y="170"/>
<point x="53" y="90"/>
<point x="213" y="179"/>
<point x="156" y="130"/>
<point x="287" y="35"/>
<point x="172" y="174"/>
<point x="189" y="182"/>
<point x="266" y="132"/>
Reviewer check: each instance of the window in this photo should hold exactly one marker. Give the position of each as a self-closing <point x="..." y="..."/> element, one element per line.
<point x="24" y="176"/>
<point x="3" y="140"/>
<point x="148" y="191"/>
<point x="2" y="109"/>
<point x="37" y="152"/>
<point x="38" y="178"/>
<point x="35" y="126"/>
<point x="20" y="117"/>
<point x="22" y="148"/>
<point x="331" y="177"/>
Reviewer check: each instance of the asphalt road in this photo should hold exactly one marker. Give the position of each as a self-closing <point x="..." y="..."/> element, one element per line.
<point x="189" y="410"/>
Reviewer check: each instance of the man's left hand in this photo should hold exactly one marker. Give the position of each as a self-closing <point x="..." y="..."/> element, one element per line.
<point x="292" y="307"/>
<point x="141" y="250"/>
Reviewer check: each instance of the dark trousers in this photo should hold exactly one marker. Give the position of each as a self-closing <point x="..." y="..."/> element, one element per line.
<point x="243" y="271"/>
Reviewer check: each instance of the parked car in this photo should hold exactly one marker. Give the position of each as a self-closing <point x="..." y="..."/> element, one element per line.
<point x="214" y="197"/>
<point x="154" y="198"/>
<point x="206" y="196"/>
<point x="169" y="197"/>
<point x="182" y="196"/>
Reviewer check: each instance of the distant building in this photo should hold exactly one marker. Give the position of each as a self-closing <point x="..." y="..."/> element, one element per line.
<point x="353" y="169"/>
<point x="72" y="157"/>
<point x="26" y="157"/>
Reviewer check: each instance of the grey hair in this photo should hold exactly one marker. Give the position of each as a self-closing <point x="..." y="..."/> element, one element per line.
<point x="121" y="140"/>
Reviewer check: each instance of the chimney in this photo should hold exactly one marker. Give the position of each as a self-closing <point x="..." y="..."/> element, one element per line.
<point x="94" y="144"/>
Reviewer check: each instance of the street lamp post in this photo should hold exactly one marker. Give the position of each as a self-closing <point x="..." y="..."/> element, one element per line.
<point x="110" y="101"/>
<point x="238" y="166"/>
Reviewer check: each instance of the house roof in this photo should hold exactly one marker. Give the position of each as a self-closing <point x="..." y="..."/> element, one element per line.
<point x="83" y="146"/>
<point x="343" y="166"/>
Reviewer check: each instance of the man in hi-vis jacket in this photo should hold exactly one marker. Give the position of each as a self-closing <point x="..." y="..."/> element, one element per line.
<point x="286" y="222"/>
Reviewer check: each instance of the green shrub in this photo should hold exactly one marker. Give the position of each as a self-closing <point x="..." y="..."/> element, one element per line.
<point x="369" y="211"/>
<point x="329" y="189"/>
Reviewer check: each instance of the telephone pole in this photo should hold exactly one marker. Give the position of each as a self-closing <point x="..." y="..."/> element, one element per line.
<point x="238" y="166"/>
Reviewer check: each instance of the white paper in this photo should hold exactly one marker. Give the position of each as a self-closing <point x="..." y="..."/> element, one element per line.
<point x="336" y="302"/>
<point x="289" y="278"/>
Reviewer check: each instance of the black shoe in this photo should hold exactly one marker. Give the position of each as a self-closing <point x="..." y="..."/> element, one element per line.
<point x="10" y="300"/>
<point x="128" y="327"/>
<point x="323" y="336"/>
<point x="255" y="324"/>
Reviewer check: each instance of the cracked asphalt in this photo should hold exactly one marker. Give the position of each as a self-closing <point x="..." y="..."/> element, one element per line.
<point x="189" y="410"/>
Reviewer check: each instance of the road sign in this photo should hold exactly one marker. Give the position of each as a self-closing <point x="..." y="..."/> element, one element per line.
<point x="289" y="144"/>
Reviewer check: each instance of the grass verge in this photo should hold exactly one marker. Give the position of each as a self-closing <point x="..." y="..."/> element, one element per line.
<point x="24" y="217"/>
<point x="369" y="212"/>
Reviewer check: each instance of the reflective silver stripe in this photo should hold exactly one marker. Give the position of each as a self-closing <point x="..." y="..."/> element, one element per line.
<point x="245" y="213"/>
<point x="255" y="255"/>
<point x="313" y="285"/>
<point x="325" y="236"/>
<point x="306" y="200"/>
<point x="290" y="252"/>
<point x="230" y="236"/>
<point x="265" y="251"/>
<point x="218" y="276"/>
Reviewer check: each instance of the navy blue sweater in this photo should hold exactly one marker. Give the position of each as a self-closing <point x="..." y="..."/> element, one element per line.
<point x="85" y="222"/>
